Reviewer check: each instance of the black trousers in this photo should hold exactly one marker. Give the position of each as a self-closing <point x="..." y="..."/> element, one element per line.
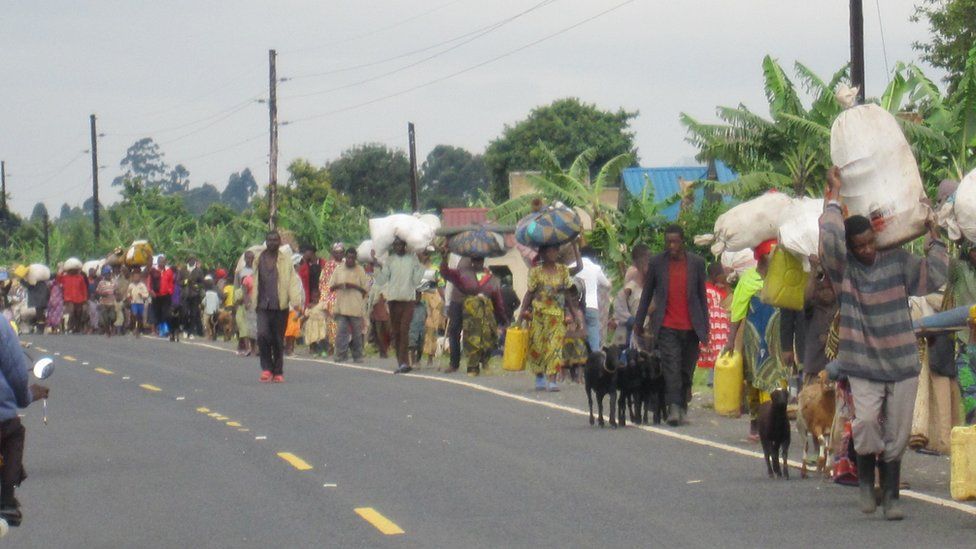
<point x="271" y="339"/>
<point x="160" y="306"/>
<point x="192" y="313"/>
<point x="455" y="318"/>
<point x="12" y="436"/>
<point x="679" y="356"/>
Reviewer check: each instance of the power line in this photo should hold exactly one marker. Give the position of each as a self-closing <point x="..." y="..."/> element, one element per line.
<point x="225" y="83"/>
<point x="375" y="31"/>
<point x="228" y="111"/>
<point x="396" y="57"/>
<point x="227" y="148"/>
<point x="465" y="70"/>
<point x="884" y="48"/>
<point x="490" y="29"/>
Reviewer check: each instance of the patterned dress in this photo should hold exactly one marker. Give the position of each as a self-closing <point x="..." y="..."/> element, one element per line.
<point x="328" y="297"/>
<point x="548" y="327"/>
<point x="435" y="321"/>
<point x="718" y="328"/>
<point x="480" y="330"/>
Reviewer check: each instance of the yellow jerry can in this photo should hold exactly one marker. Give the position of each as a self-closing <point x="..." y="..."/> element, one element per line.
<point x="785" y="281"/>
<point x="962" y="458"/>
<point x="728" y="384"/>
<point x="516" y="347"/>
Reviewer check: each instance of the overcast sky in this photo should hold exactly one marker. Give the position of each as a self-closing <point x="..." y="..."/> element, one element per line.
<point x="188" y="74"/>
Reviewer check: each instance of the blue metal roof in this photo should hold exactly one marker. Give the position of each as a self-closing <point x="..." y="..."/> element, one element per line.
<point x="665" y="182"/>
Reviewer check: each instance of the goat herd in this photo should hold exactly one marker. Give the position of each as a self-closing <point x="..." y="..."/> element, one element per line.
<point x="634" y="381"/>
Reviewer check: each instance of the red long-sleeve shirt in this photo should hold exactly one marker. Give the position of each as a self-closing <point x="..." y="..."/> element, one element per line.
<point x="74" y="287"/>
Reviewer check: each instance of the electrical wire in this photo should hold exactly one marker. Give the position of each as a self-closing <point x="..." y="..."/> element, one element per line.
<point x="465" y="70"/>
<point x="227" y="148"/>
<point x="231" y="110"/>
<point x="396" y="57"/>
<point x="375" y="31"/>
<point x="225" y="83"/>
<point x="884" y="48"/>
<point x="490" y="29"/>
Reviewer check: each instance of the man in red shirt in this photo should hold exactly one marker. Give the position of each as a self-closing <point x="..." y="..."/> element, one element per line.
<point x="74" y="287"/>
<point x="679" y="321"/>
<point x="161" y="284"/>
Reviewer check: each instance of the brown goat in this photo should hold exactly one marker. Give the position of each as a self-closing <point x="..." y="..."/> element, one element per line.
<point x="816" y="416"/>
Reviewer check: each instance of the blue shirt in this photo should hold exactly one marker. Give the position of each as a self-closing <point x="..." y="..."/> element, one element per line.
<point x="14" y="390"/>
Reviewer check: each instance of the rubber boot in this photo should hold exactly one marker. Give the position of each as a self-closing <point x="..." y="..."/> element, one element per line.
<point x="865" y="480"/>
<point x="890" y="478"/>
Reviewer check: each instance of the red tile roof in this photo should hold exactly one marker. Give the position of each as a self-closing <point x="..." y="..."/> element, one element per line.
<point x="457" y="217"/>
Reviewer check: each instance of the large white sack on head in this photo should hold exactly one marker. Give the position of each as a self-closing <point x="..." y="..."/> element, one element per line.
<point x="964" y="206"/>
<point x="72" y="263"/>
<point x="879" y="172"/>
<point x="38" y="273"/>
<point x="800" y="231"/>
<point x="750" y="223"/>
<point x="92" y="264"/>
<point x="739" y="262"/>
<point x="430" y="220"/>
<point x="364" y="251"/>
<point x="416" y="233"/>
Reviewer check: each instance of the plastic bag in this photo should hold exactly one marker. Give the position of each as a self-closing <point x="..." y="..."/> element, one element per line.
<point x="416" y="232"/>
<point x="964" y="207"/>
<point x="880" y="175"/>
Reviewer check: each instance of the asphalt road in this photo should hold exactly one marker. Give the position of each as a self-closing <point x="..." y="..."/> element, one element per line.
<point x="155" y="444"/>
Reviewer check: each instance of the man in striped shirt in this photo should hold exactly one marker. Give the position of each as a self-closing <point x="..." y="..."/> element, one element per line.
<point x="878" y="351"/>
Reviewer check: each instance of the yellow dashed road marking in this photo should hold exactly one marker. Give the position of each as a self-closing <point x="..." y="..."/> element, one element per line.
<point x="203" y="410"/>
<point x="295" y="461"/>
<point x="213" y="414"/>
<point x="149" y="387"/>
<point x="221" y="418"/>
<point x="69" y="358"/>
<point x="380" y="522"/>
<point x="233" y="424"/>
<point x="104" y="371"/>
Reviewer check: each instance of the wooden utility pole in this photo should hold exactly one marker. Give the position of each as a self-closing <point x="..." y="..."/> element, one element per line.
<point x="47" y="235"/>
<point x="414" y="199"/>
<point x="3" y="185"/>
<point x="94" y="157"/>
<point x="857" y="48"/>
<point x="273" y="160"/>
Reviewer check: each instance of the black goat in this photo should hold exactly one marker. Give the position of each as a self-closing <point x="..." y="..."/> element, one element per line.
<point x="628" y="383"/>
<point x="600" y="377"/>
<point x="774" y="432"/>
<point x="652" y="387"/>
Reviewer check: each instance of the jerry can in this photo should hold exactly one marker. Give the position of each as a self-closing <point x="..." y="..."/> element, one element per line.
<point x="785" y="281"/>
<point x="962" y="458"/>
<point x="516" y="347"/>
<point x="728" y="384"/>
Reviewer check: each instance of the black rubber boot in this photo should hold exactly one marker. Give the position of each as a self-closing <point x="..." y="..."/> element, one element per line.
<point x="891" y="477"/>
<point x="865" y="480"/>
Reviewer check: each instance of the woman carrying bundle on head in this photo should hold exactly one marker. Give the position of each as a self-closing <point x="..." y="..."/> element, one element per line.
<point x="480" y="292"/>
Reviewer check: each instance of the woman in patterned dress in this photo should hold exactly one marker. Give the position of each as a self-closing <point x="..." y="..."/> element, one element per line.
<point x="545" y="308"/>
<point x="327" y="296"/>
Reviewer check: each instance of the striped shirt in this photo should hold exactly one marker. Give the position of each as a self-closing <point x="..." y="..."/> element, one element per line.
<point x="876" y="337"/>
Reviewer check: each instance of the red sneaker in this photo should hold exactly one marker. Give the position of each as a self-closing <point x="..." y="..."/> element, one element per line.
<point x="279" y="378"/>
<point x="265" y="376"/>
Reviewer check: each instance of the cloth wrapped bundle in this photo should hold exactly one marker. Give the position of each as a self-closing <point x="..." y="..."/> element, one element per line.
<point x="478" y="243"/>
<point x="139" y="254"/>
<point x="549" y="227"/>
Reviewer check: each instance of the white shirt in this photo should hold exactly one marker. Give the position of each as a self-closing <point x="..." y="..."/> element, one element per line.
<point x="593" y="279"/>
<point x="211" y="302"/>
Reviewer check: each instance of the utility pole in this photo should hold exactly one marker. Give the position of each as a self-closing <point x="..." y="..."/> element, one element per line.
<point x="414" y="202"/>
<point x="273" y="160"/>
<point x="3" y="185"/>
<point x="47" y="236"/>
<point x="857" y="48"/>
<point x="94" y="156"/>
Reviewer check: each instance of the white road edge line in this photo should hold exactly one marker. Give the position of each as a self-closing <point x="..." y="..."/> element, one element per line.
<point x="942" y="502"/>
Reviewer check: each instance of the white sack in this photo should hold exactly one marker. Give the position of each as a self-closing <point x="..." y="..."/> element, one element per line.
<point x="256" y="250"/>
<point x="93" y="264"/>
<point x="364" y="251"/>
<point x="880" y="175"/>
<point x="414" y="231"/>
<point x="72" y="263"/>
<point x="800" y="232"/>
<point x="38" y="273"/>
<point x="964" y="207"/>
<point x="750" y="223"/>
<point x="739" y="262"/>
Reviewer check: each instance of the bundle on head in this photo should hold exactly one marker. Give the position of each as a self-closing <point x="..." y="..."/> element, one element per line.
<point x="774" y="433"/>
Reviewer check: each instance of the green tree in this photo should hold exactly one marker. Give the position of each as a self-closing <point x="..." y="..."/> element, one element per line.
<point x="198" y="199"/>
<point x="65" y="211"/>
<point x="39" y="212"/>
<point x="307" y="183"/>
<point x="567" y="127"/>
<point x="241" y="187"/>
<point x="143" y="161"/>
<point x="178" y="180"/>
<point x="953" y="27"/>
<point x="452" y="177"/>
<point x="373" y="176"/>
